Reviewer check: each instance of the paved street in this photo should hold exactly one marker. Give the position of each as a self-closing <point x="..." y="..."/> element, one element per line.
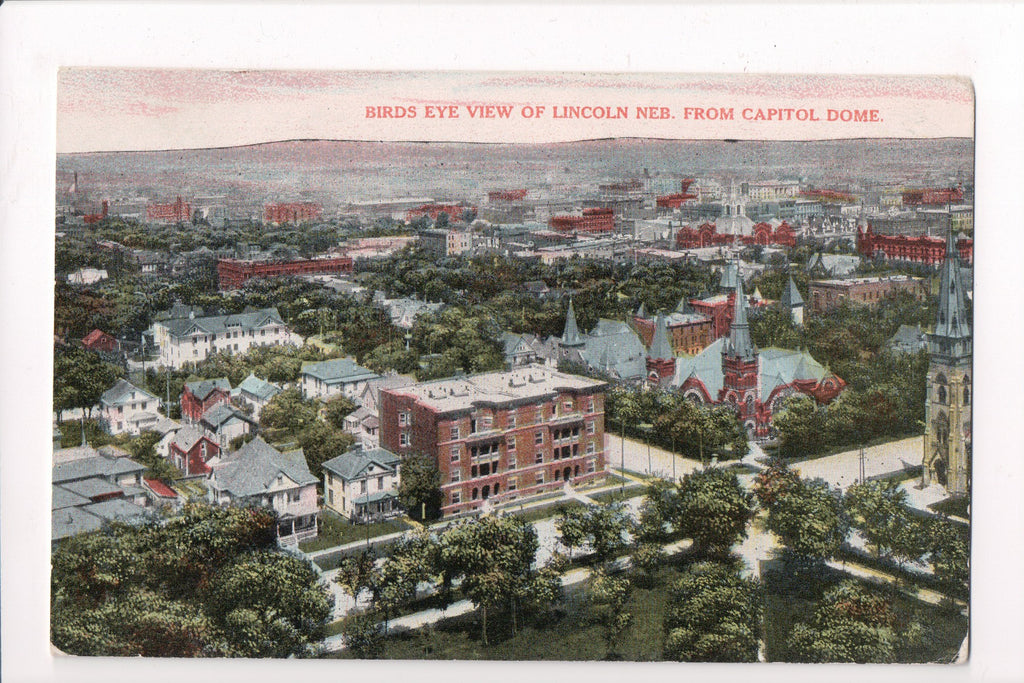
<point x="843" y="469"/>
<point x="635" y="456"/>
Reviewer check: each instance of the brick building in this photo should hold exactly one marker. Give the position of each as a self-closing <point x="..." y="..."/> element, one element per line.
<point x="688" y="332"/>
<point x="826" y="294"/>
<point x="595" y="219"/>
<point x="499" y="436"/>
<point x="233" y="273"/>
<point x="177" y="211"/>
<point x="293" y="212"/>
<point x="915" y="249"/>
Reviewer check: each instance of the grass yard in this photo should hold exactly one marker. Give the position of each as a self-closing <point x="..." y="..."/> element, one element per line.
<point x="543" y="512"/>
<point x="616" y="495"/>
<point x="335" y="531"/>
<point x="570" y="635"/>
<point x="956" y="506"/>
<point x="944" y="629"/>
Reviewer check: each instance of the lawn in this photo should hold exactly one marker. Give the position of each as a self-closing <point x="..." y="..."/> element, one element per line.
<point x="616" y="495"/>
<point x="335" y="531"/>
<point x="572" y="634"/>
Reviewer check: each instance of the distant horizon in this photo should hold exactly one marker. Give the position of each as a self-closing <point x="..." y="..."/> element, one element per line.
<point x="517" y="144"/>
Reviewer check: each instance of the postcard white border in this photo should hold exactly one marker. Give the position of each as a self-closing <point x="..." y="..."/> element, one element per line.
<point x="979" y="41"/>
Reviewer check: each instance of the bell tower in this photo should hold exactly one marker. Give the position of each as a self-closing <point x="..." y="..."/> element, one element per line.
<point x="947" y="436"/>
<point x="740" y="365"/>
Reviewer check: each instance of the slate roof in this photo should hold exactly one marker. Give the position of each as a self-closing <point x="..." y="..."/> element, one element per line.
<point x="63" y="498"/>
<point x="260" y="388"/>
<point x="96" y="466"/>
<point x="117" y="510"/>
<point x="254" y="467"/>
<point x="205" y="387"/>
<point x="776" y="367"/>
<point x="661" y="348"/>
<point x="71" y="521"/>
<point x="338" y="370"/>
<point x="374" y="497"/>
<point x="187" y="437"/>
<point x="92" y="487"/>
<point x="615" y="348"/>
<point x="908" y="339"/>
<point x="371" y="393"/>
<point x="571" y="333"/>
<point x="740" y="344"/>
<point x="165" y="425"/>
<point x="216" y="324"/>
<point x="791" y="296"/>
<point x="350" y="465"/>
<point x="222" y="413"/>
<point x="122" y="391"/>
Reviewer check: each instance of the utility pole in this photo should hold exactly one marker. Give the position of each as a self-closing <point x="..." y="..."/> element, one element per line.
<point x="863" y="458"/>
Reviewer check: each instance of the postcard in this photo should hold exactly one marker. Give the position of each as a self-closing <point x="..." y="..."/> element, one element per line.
<point x="512" y="366"/>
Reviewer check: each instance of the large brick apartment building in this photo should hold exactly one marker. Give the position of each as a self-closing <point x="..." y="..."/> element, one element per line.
<point x="826" y="294"/>
<point x="500" y="436"/>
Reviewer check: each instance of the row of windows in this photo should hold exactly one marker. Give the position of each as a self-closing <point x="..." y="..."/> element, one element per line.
<point x="485" y="492"/>
<point x="486" y="422"/>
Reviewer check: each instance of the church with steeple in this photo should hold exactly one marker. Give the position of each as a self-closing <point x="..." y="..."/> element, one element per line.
<point x="733" y="371"/>
<point x="947" y="436"/>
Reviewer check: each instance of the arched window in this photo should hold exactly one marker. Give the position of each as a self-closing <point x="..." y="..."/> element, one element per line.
<point x="967" y="396"/>
<point x="942" y="394"/>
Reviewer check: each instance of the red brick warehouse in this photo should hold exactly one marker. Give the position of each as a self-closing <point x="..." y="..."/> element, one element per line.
<point x="233" y="273"/>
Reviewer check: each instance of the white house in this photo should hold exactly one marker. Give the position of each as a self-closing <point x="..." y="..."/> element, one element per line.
<point x="126" y="408"/>
<point x="256" y="393"/>
<point x="192" y="340"/>
<point x="259" y="474"/>
<point x="363" y="484"/>
<point x="332" y="377"/>
<point x="87" y="276"/>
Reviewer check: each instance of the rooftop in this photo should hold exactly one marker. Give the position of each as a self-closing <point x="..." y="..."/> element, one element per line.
<point x="351" y="464"/>
<point x="338" y="370"/>
<point x="523" y="384"/>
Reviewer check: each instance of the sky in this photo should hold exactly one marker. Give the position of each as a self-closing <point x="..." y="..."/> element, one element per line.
<point x="108" y="109"/>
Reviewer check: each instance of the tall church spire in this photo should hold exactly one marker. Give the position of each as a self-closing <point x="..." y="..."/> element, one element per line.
<point x="953" y="321"/>
<point x="571" y="333"/>
<point x="739" y="343"/>
<point x="661" y="348"/>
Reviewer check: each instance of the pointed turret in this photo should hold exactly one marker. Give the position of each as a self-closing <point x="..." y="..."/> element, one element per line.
<point x="739" y="344"/>
<point x="792" y="303"/>
<point x="571" y="334"/>
<point x="952" y="336"/>
<point x="661" y="348"/>
<point x="684" y="306"/>
<point x="641" y="312"/>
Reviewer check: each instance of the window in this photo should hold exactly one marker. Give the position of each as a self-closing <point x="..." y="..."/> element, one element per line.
<point x="403" y="439"/>
<point x="590" y="404"/>
<point x="590" y="466"/>
<point x="380" y="483"/>
<point x="454" y="433"/>
<point x="403" y="418"/>
<point x="330" y="496"/>
<point x="539" y="457"/>
<point x="330" y="479"/>
<point x="540" y="413"/>
<point x="540" y="477"/>
<point x="510" y="444"/>
<point x="455" y="476"/>
<point x="567" y="405"/>
<point x="456" y="497"/>
<point x="590" y="427"/>
<point x="294" y="496"/>
<point x="511" y="462"/>
<point x="456" y="453"/>
<point x="362" y="486"/>
<point x="511" y="420"/>
<point x="591" y="448"/>
<point x="538" y="438"/>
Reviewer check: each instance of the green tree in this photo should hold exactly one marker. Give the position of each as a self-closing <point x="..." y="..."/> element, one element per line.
<point x="713" y="509"/>
<point x="808" y="518"/>
<point x="143" y="451"/>
<point x="849" y="624"/>
<point x="951" y="553"/>
<point x="493" y="557"/>
<point x="79" y="379"/>
<point x="363" y="636"/>
<point x="878" y="510"/>
<point x="608" y="595"/>
<point x="646" y="558"/>
<point x="336" y="409"/>
<point x="714" y="615"/>
<point x="420" y="486"/>
<point x="286" y="415"/>
<point x="270" y="605"/>
<point x="602" y="527"/>
<point x="320" y="442"/>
